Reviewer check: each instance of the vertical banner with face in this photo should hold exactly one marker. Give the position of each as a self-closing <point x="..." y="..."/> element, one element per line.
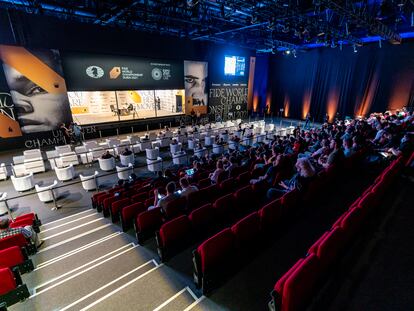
<point x="195" y="77"/>
<point x="37" y="88"/>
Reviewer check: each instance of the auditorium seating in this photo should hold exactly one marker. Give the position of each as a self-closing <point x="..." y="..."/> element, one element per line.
<point x="18" y="240"/>
<point x="23" y="183"/>
<point x="47" y="193"/>
<point x="296" y="288"/>
<point x="65" y="173"/>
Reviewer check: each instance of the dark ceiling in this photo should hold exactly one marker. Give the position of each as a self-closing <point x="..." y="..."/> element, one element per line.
<point x="264" y="25"/>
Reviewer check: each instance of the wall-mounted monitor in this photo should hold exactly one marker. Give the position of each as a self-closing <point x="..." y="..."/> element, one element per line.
<point x="234" y="66"/>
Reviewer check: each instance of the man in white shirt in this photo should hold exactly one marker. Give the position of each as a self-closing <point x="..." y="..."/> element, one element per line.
<point x="186" y="187"/>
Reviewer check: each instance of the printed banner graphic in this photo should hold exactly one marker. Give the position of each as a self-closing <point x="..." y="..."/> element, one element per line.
<point x="196" y="77"/>
<point x="89" y="72"/>
<point x="228" y="101"/>
<point x="37" y="88"/>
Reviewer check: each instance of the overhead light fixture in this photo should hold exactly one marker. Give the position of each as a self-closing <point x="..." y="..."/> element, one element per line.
<point x="355" y="49"/>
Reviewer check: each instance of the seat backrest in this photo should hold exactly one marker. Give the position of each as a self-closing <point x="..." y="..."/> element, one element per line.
<point x="245" y="198"/>
<point x="8" y="283"/>
<point x="132" y="210"/>
<point x="139" y="197"/>
<point x="300" y="285"/>
<point x="13" y="240"/>
<point x="224" y="207"/>
<point x="11" y="257"/>
<point x="243" y="178"/>
<point x="202" y="218"/>
<point x="175" y="207"/>
<point x="118" y="205"/>
<point x="290" y="199"/>
<point x="330" y="247"/>
<point x="271" y="215"/>
<point x="213" y="250"/>
<point x="149" y="220"/>
<point x="174" y="231"/>
<point x="247" y="230"/>
<point x="204" y="183"/>
<point x="226" y="186"/>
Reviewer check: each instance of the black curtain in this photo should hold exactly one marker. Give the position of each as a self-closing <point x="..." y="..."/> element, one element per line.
<point x="331" y="80"/>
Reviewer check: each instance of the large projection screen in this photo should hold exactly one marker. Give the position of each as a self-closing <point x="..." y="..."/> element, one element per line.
<point x="112" y="106"/>
<point x="113" y="88"/>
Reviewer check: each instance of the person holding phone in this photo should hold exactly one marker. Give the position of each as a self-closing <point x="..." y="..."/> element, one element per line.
<point x="162" y="201"/>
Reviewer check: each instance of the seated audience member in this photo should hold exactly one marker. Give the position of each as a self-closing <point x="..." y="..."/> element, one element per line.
<point x="198" y="170"/>
<point x="174" y="142"/>
<point x="126" y="152"/>
<point x="169" y="175"/>
<point x="146" y="138"/>
<point x="133" y="178"/>
<point x="186" y="187"/>
<point x="219" y="169"/>
<point x="300" y="181"/>
<point x="27" y="231"/>
<point x="347" y="145"/>
<point x="336" y="154"/>
<point x="232" y="164"/>
<point x="107" y="155"/>
<point x="271" y="171"/>
<point x="170" y="196"/>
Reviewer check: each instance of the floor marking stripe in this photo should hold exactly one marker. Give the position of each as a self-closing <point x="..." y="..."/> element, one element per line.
<point x="66" y="223"/>
<point x="195" y="303"/>
<point x="73" y="215"/>
<point x="120" y="288"/>
<point x="170" y="299"/>
<point x="81" y="272"/>
<point x="105" y="286"/>
<point x="191" y="293"/>
<point x="70" y="229"/>
<point x="72" y="238"/>
<point x="75" y="251"/>
<point x="80" y="267"/>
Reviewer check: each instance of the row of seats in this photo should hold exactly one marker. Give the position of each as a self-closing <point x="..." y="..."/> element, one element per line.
<point x="214" y="258"/>
<point x="295" y="289"/>
<point x="148" y="222"/>
<point x="206" y="219"/>
<point x="14" y="261"/>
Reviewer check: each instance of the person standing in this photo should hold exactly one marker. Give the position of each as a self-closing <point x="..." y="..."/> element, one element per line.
<point x="308" y="120"/>
<point x="158" y="100"/>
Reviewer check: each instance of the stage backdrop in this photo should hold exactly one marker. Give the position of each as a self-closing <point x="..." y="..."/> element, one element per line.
<point x="329" y="80"/>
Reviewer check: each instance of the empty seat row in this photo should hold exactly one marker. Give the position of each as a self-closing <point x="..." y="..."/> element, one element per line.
<point x="296" y="288"/>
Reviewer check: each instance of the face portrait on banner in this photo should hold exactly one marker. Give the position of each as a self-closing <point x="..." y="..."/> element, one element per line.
<point x="196" y="75"/>
<point x="37" y="88"/>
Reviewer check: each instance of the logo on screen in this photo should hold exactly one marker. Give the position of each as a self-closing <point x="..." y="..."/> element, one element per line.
<point x="115" y="72"/>
<point x="156" y="74"/>
<point x="95" y="72"/>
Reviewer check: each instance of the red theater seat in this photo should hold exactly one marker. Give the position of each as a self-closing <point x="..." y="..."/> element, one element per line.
<point x="139" y="197"/>
<point x="224" y="208"/>
<point x="17" y="240"/>
<point x="203" y="219"/>
<point x="226" y="186"/>
<point x="329" y="246"/>
<point x="203" y="183"/>
<point x="175" y="208"/>
<point x="129" y="212"/>
<point x="11" y="288"/>
<point x="146" y="223"/>
<point x="271" y="215"/>
<point x="212" y="259"/>
<point x="247" y="231"/>
<point x="173" y="233"/>
<point x="107" y="203"/>
<point x="299" y="286"/>
<point x="15" y="257"/>
<point x="243" y="179"/>
<point x="117" y="206"/>
<point x="245" y="199"/>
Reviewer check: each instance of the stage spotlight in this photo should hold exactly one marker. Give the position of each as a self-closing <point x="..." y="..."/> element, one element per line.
<point x="355" y="49"/>
<point x="287" y="52"/>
